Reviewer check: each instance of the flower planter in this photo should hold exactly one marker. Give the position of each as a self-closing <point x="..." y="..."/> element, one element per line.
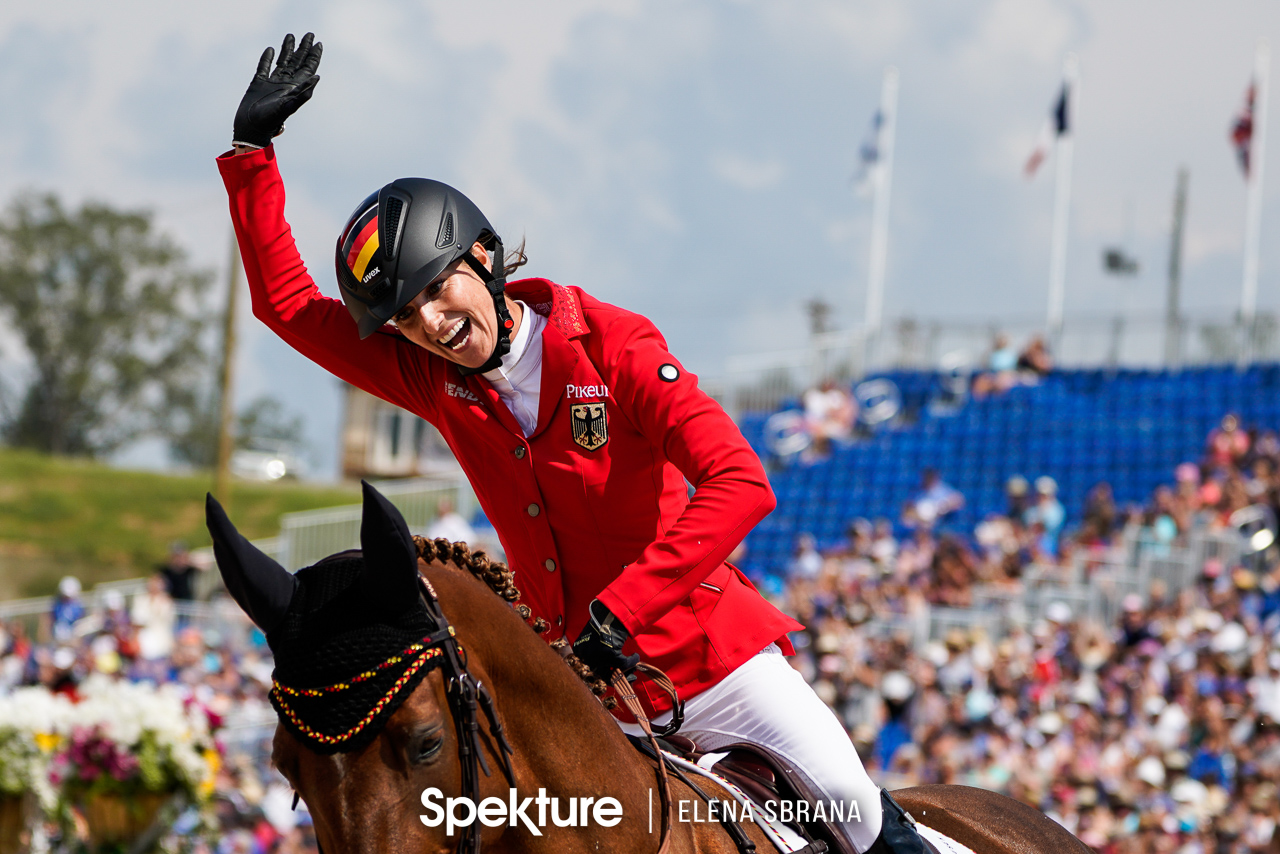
<point x="115" y="819"/>
<point x="14" y="836"/>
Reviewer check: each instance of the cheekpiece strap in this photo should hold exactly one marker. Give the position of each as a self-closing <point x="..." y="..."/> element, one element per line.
<point x="496" y="284"/>
<point x="466" y="696"/>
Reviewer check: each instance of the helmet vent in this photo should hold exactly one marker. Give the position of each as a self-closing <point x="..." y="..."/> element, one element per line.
<point x="379" y="291"/>
<point x="391" y="226"/>
<point x="445" y="238"/>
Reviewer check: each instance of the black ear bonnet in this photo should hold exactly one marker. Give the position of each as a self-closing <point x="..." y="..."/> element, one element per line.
<point x="350" y="635"/>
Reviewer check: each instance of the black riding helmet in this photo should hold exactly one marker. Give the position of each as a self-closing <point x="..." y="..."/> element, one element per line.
<point x="403" y="236"/>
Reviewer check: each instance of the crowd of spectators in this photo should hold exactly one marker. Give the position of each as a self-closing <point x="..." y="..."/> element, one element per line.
<point x="1240" y="469"/>
<point x="1007" y="367"/>
<point x="220" y="661"/>
<point x="1158" y="733"/>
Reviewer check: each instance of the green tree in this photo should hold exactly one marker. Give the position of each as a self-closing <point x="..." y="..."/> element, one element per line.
<point x="111" y="317"/>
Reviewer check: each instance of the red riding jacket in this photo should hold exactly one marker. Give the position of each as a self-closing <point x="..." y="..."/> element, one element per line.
<point x="594" y="502"/>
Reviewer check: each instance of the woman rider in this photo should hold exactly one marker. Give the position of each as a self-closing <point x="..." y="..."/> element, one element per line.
<point x="577" y="430"/>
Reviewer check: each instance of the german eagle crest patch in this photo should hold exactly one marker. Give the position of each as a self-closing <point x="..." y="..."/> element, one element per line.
<point x="590" y="425"/>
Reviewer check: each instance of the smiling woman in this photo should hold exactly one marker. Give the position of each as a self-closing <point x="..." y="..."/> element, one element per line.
<point x="578" y="430"/>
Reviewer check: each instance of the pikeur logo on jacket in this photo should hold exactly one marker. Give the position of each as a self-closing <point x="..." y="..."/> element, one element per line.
<point x="593" y="502"/>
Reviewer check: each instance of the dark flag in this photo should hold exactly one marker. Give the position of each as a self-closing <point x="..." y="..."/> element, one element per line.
<point x="869" y="155"/>
<point x="1057" y="125"/>
<point x="1242" y="131"/>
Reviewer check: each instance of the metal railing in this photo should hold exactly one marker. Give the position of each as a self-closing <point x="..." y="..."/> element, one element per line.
<point x="1094" y="588"/>
<point x="305" y="537"/>
<point x="308" y="536"/>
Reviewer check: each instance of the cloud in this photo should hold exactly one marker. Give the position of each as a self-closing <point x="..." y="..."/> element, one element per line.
<point x="665" y="154"/>
<point x="747" y="173"/>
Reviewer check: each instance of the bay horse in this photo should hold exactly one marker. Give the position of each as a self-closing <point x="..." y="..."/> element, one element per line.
<point x="365" y="734"/>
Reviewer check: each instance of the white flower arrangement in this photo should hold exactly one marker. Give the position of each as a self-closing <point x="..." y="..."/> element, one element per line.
<point x="128" y="712"/>
<point x="147" y="738"/>
<point x="121" y="737"/>
<point x="31" y="720"/>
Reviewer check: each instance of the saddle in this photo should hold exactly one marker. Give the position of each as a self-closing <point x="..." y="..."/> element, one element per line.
<point x="760" y="775"/>
<point x="764" y="777"/>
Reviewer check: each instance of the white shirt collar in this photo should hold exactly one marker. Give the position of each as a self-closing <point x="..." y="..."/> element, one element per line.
<point x="515" y="369"/>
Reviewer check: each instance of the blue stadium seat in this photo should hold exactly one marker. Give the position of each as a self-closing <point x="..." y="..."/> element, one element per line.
<point x="1129" y="427"/>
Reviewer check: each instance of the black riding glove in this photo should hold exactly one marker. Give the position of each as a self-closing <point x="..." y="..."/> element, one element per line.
<point x="600" y="644"/>
<point x="273" y="96"/>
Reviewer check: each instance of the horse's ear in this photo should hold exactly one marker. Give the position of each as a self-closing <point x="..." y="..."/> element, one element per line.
<point x="262" y="587"/>
<point x="390" y="557"/>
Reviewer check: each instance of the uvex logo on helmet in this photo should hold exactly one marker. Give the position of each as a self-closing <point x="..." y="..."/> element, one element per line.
<point x="401" y="238"/>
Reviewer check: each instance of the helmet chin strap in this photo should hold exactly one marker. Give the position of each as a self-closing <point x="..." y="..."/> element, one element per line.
<point x="496" y="285"/>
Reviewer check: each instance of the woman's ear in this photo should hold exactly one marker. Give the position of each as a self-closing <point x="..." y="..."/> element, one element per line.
<point x="482" y="255"/>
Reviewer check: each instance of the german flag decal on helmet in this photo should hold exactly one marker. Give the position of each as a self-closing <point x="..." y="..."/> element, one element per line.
<point x="398" y="240"/>
<point x="361" y="244"/>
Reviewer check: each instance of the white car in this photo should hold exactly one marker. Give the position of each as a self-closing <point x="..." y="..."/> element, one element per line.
<point x="253" y="464"/>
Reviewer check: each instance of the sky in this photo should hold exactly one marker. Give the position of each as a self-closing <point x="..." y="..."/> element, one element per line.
<point x="690" y="160"/>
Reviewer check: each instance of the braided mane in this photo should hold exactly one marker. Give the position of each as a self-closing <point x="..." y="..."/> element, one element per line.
<point x="501" y="580"/>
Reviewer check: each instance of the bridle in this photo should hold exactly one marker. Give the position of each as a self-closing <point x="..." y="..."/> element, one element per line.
<point x="467" y="696"/>
<point x="465" y="693"/>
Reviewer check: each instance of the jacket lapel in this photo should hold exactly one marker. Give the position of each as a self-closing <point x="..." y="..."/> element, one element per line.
<point x="559" y="358"/>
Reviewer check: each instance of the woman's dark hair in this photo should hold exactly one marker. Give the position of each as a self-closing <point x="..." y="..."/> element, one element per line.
<point x="513" y="259"/>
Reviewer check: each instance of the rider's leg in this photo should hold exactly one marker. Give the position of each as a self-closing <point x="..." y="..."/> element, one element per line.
<point x="766" y="702"/>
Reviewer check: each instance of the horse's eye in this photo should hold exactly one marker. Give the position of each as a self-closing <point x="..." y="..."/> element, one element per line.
<point x="425" y="747"/>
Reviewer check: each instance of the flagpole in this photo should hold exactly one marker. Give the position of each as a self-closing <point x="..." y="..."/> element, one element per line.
<point x="1065" y="145"/>
<point x="1253" y="204"/>
<point x="880" y="217"/>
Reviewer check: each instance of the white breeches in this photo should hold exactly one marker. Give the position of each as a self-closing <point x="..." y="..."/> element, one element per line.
<point x="766" y="702"/>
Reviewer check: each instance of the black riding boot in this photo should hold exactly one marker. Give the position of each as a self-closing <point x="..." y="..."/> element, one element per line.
<point x="898" y="833"/>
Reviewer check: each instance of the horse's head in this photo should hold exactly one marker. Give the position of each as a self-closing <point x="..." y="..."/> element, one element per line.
<point x="362" y="655"/>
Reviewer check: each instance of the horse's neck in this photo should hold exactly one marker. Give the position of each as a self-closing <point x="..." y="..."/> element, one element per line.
<point x="568" y="744"/>
<point x="563" y="739"/>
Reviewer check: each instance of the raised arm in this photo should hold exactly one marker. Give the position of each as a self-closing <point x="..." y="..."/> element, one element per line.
<point x="284" y="295"/>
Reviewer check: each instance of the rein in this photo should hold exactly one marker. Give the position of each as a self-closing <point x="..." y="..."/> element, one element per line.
<point x="622" y="687"/>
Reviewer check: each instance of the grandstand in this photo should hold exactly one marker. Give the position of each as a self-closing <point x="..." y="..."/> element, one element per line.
<point x="1127" y="427"/>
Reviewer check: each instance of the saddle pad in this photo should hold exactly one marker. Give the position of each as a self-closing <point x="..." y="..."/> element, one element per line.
<point x="944" y="844"/>
<point x="784" y="838"/>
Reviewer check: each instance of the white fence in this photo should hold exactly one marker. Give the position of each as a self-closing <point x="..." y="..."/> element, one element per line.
<point x="1093" y="586"/>
<point x="310" y="535"/>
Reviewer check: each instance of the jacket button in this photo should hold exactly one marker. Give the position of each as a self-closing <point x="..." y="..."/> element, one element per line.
<point x="550" y="565"/>
<point x="560" y="620"/>
<point x="534" y="509"/>
<point x="519" y="452"/>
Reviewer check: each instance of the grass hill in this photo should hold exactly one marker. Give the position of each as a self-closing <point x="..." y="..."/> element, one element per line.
<point x="64" y="516"/>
